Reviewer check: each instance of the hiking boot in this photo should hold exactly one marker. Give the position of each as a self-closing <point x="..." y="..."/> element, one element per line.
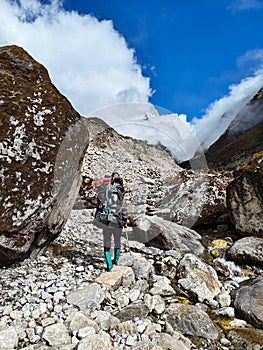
<point x="108" y="261"/>
<point x="117" y="253"/>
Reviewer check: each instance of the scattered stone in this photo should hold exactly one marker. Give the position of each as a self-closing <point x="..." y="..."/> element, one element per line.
<point x="87" y="299"/>
<point x="79" y="321"/>
<point x="224" y="298"/>
<point x="95" y="341"/>
<point x="119" y="275"/>
<point x="162" y="286"/>
<point x="247" y="250"/>
<point x="8" y="338"/>
<point x="57" y="335"/>
<point x="248" y="301"/>
<point x="190" y="320"/>
<point x="137" y="309"/>
<point x="168" y="342"/>
<point x="198" y="278"/>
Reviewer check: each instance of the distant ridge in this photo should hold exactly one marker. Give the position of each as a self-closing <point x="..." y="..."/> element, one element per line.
<point x="243" y="138"/>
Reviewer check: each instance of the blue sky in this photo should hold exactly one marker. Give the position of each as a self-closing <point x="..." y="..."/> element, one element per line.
<point x="191" y="50"/>
<point x="199" y="60"/>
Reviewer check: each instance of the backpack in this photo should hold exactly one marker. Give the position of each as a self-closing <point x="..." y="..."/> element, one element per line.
<point x="110" y="205"/>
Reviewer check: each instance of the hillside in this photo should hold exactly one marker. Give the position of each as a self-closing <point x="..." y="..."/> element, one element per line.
<point x="243" y="138"/>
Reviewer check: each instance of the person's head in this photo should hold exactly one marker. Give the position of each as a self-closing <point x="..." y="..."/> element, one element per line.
<point x="116" y="179"/>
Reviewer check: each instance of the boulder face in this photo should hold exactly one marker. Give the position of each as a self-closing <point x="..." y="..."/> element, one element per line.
<point x="196" y="199"/>
<point x="248" y="301"/>
<point x="42" y="143"/>
<point x="245" y="198"/>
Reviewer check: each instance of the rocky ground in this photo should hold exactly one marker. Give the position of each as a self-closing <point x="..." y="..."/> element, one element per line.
<point x="64" y="299"/>
<point x="173" y="288"/>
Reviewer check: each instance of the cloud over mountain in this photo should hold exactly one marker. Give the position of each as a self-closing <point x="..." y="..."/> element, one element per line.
<point x="92" y="64"/>
<point x="88" y="60"/>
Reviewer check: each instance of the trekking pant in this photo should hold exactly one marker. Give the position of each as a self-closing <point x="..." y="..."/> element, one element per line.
<point x="107" y="234"/>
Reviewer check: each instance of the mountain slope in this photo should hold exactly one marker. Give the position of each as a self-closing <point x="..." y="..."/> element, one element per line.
<point x="243" y="138"/>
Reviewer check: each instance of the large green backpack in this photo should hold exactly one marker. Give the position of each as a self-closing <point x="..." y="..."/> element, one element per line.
<point x="110" y="205"/>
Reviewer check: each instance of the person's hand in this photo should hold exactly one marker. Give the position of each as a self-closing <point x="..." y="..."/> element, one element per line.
<point x="125" y="224"/>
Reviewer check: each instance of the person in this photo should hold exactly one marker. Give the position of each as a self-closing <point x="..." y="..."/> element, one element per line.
<point x="110" y="201"/>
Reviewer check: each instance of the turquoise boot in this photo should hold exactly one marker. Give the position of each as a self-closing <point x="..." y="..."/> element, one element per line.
<point x="117" y="253"/>
<point x="108" y="260"/>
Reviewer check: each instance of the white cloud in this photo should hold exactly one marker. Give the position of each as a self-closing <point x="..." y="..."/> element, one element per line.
<point x="142" y="121"/>
<point x="220" y="113"/>
<point x="243" y="5"/>
<point x="251" y="56"/>
<point x="87" y="59"/>
<point x="91" y="64"/>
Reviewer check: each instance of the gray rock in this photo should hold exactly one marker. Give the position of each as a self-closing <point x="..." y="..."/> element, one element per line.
<point x="158" y="304"/>
<point x="244" y="198"/>
<point x="57" y="335"/>
<point x="78" y="320"/>
<point x="103" y="319"/>
<point x="226" y="312"/>
<point x="246" y="338"/>
<point x="247" y="250"/>
<point x="248" y="301"/>
<point x="95" y="341"/>
<point x="137" y="309"/>
<point x="162" y="286"/>
<point x="155" y="303"/>
<point x="168" y="342"/>
<point x="42" y="143"/>
<point x="147" y="346"/>
<point x="87" y="299"/>
<point x="119" y="275"/>
<point x="142" y="268"/>
<point x="197" y="198"/>
<point x="168" y="235"/>
<point x="198" y="278"/>
<point x="190" y="320"/>
<point x="131" y="340"/>
<point x="84" y="332"/>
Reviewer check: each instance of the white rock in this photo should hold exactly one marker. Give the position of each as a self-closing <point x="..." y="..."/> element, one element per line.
<point x="84" y="332"/>
<point x="131" y="340"/>
<point x="80" y="269"/>
<point x="8" y="338"/>
<point x="56" y="335"/>
<point x="15" y="315"/>
<point x="122" y="301"/>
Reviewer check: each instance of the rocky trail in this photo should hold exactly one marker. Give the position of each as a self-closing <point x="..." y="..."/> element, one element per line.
<point x="64" y="299"/>
<point x="161" y="296"/>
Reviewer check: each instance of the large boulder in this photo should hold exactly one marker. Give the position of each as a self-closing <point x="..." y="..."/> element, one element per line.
<point x="247" y="250"/>
<point x="196" y="199"/>
<point x="190" y="320"/>
<point x="245" y="198"/>
<point x="167" y="235"/>
<point x="198" y="278"/>
<point x="248" y="301"/>
<point x="42" y="143"/>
